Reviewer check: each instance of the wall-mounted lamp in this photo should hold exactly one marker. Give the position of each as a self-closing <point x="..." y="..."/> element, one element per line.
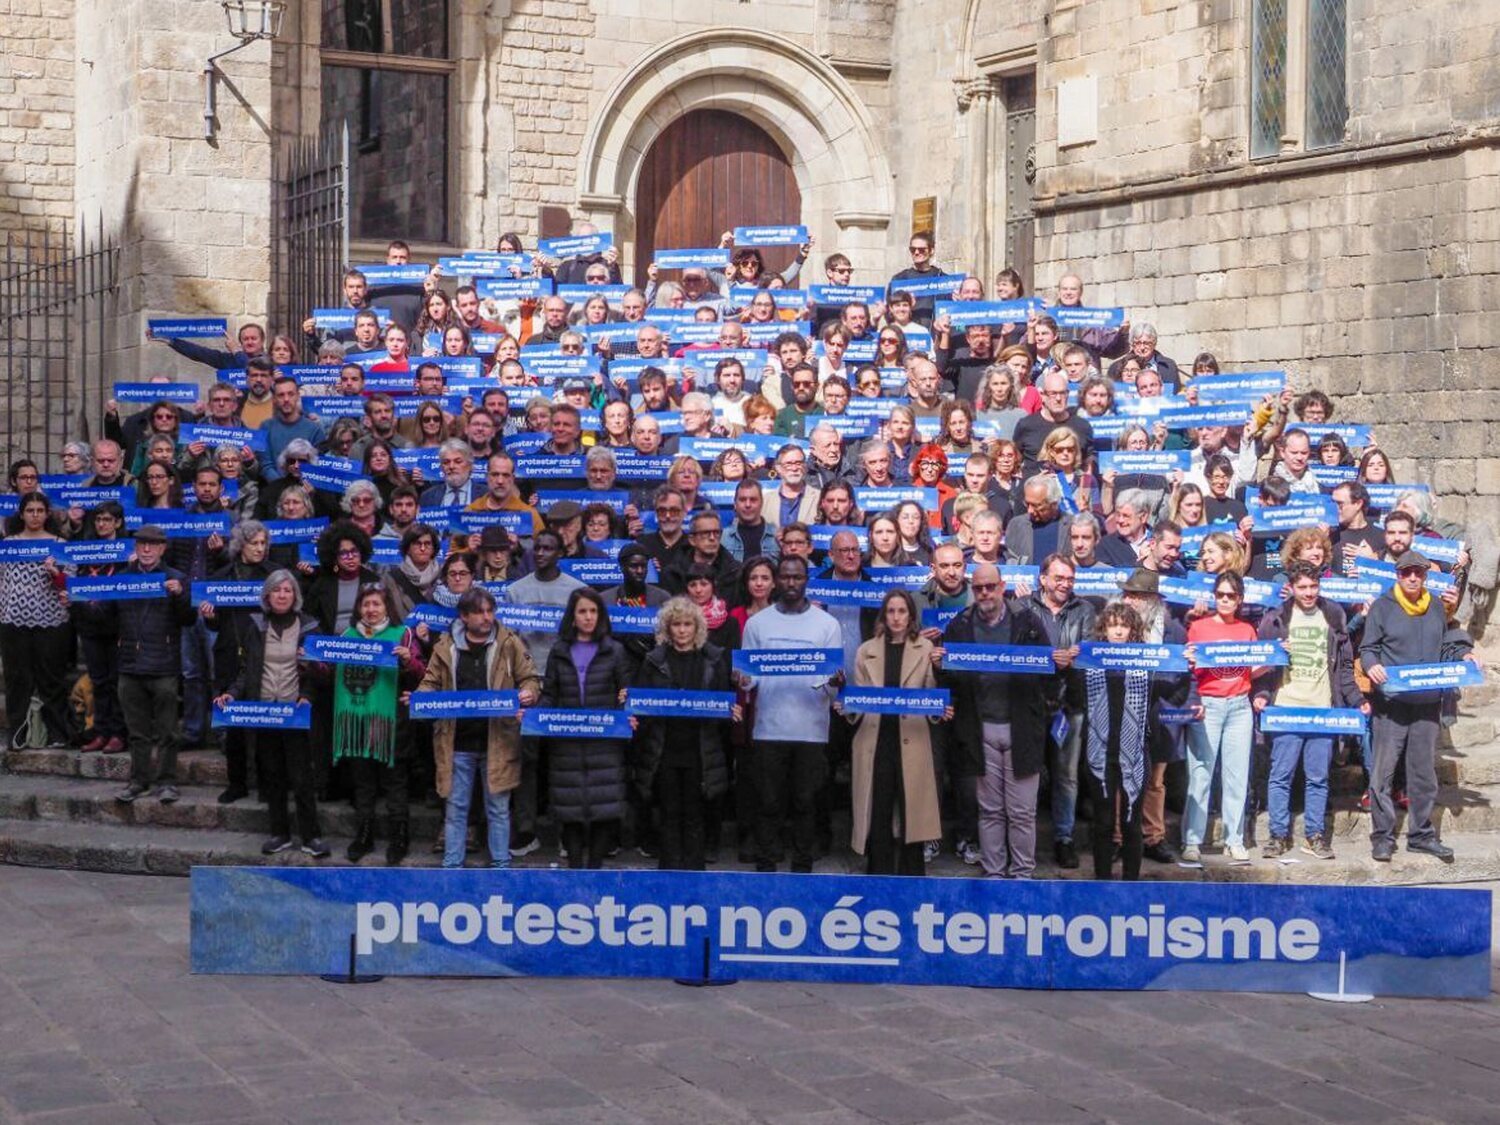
<point x="249" y="21"/>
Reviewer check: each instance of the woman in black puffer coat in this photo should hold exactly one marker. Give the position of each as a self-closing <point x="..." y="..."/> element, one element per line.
<point x="587" y="669"/>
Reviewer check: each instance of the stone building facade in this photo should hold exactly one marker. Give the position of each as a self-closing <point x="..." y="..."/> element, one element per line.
<point x="1117" y="138"/>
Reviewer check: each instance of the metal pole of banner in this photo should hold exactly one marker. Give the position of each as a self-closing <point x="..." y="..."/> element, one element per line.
<point x="707" y="980"/>
<point x="351" y="977"/>
<point x="1341" y="996"/>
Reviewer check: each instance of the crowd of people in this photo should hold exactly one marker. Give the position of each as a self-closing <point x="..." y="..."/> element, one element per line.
<point x="514" y="484"/>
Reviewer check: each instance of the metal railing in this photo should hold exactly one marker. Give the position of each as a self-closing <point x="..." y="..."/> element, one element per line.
<point x="57" y="297"/>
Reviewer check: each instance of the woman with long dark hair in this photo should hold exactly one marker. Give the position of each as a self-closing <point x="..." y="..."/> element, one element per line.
<point x="36" y="644"/>
<point x="586" y="669"/>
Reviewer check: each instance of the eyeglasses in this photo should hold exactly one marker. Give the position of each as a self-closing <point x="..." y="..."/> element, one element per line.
<point x="712" y="533"/>
<point x="983" y="587"/>
<point x="348" y="552"/>
<point x="1406" y="570"/>
<point x="1230" y="594"/>
<point x="1054" y="394"/>
<point x="919" y="249"/>
<point x="841" y="269"/>
<point x="669" y="511"/>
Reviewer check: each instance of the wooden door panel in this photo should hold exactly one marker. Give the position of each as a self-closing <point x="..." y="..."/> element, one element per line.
<point x="707" y="172"/>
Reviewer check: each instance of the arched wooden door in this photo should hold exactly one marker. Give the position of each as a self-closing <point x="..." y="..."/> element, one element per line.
<point x="710" y="171"/>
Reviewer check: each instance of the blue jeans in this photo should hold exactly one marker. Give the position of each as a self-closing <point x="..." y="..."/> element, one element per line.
<point x="1315" y="755"/>
<point x="1224" y="736"/>
<point x="467" y="772"/>
<point x="1065" y="780"/>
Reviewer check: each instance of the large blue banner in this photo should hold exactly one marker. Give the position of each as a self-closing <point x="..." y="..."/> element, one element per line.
<point x="1400" y="679"/>
<point x="1070" y="934"/>
<point x="187" y="327"/>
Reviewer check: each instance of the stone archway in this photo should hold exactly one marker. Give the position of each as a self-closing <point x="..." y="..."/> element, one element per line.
<point x="826" y="131"/>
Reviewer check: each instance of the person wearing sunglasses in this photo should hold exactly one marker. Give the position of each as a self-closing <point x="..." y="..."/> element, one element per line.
<point x="1224" y="728"/>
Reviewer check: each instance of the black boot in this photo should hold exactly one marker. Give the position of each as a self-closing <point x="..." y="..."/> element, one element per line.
<point x="399" y="844"/>
<point x="364" y="840"/>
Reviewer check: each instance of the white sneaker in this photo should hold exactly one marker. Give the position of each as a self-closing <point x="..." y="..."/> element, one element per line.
<point x="930" y="850"/>
<point x="1192" y="854"/>
<point x="968" y="852"/>
<point x="1238" y="853"/>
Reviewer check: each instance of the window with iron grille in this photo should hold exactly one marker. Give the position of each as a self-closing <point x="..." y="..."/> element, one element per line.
<point x="388" y="73"/>
<point x="1327" y="90"/>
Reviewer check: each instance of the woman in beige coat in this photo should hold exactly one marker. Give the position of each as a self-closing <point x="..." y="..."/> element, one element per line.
<point x="479" y="654"/>
<point x="893" y="786"/>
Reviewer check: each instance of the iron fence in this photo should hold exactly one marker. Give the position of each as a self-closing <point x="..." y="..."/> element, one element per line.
<point x="311" y="243"/>
<point x="58" y="292"/>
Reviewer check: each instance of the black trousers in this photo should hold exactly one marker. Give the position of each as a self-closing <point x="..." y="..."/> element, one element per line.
<point x="682" y="808"/>
<point x="789" y="775"/>
<point x="886" y="852"/>
<point x="101" y="658"/>
<point x="36" y="663"/>
<point x="1132" y="841"/>
<point x="587" y="844"/>
<point x="286" y="758"/>
<point x="368" y="777"/>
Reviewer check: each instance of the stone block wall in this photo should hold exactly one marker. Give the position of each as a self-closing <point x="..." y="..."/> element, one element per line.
<point x="36" y="114"/>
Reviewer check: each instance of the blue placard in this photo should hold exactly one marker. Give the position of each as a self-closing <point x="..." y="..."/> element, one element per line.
<point x="92" y="552"/>
<point x="183" y="394"/>
<point x="833" y="591"/>
<point x="1437" y="582"/>
<point x="894" y="701"/>
<point x="849" y="427"/>
<point x="295" y="531"/>
<point x="513" y="288"/>
<point x="578" y="294"/>
<point x="257" y="715"/>
<point x="714" y="258"/>
<point x="674" y="703"/>
<point x="1239" y="654"/>
<point x="1159" y="461"/>
<point x="906" y="577"/>
<point x="342" y="320"/>
<point x="995" y="660"/>
<point x="437" y="618"/>
<point x="1384" y="497"/>
<point x="1059" y="934"/>
<point x="770" y="236"/>
<point x="228" y="594"/>
<point x="220" y="435"/>
<point x="557" y="722"/>
<point x="576" y="245"/>
<point x="409" y="273"/>
<point x="822" y="534"/>
<point x="409" y="406"/>
<point x="633" y="620"/>
<point x="117" y="587"/>
<point x="1185" y="416"/>
<point x="424" y="458"/>
<point x="935" y="618"/>
<point x="338" y="406"/>
<point x="1312" y="720"/>
<point x="601" y="572"/>
<point x="350" y="650"/>
<point x="868" y="499"/>
<point x="28" y="550"/>
<point x="1303" y="511"/>
<point x="1099" y="581"/>
<point x="822" y="662"/>
<point x="81" y="497"/>
<point x="546" y="499"/>
<point x="938" y="285"/>
<point x="1106" y="657"/>
<point x="753" y="446"/>
<point x="562" y="366"/>
<point x="479" y="263"/>
<point x="1082" y="317"/>
<point x="503" y="703"/>
<point x="966" y="314"/>
<point x="177" y="524"/>
<point x="1177" y="716"/>
<point x="1240" y="387"/>
<point x="549" y="466"/>
<point x="325" y="478"/>
<point x="1400" y="679"/>
<point x="1264" y="594"/>
<point x="845" y="294"/>
<point x="187" y="327"/>
<point x="1354" y="436"/>
<point x="1330" y="477"/>
<point x="1445" y="551"/>
<point x="642" y="468"/>
<point x="1354" y="591"/>
<point x="741" y="295"/>
<point x="519" y="522"/>
<point x="530" y="618"/>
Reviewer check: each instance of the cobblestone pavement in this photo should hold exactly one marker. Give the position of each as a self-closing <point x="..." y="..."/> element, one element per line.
<point x="101" y="1022"/>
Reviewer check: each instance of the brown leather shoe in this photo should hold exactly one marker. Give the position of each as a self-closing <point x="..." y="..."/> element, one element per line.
<point x="115" y="745"/>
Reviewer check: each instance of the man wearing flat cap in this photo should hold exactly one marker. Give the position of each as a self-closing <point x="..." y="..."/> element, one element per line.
<point x="1407" y="625"/>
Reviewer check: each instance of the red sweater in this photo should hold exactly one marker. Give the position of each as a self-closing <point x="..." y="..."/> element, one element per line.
<point x="1221" y="682"/>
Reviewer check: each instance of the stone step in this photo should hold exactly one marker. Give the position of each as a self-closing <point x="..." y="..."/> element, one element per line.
<point x="195" y="767"/>
<point x="42" y="797"/>
<point x="1468" y="729"/>
<point x="147" y="850"/>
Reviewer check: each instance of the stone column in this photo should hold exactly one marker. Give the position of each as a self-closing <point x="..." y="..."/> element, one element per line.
<point x="976" y="100"/>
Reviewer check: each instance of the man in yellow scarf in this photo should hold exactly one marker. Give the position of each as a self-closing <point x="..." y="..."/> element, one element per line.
<point x="1407" y="625"/>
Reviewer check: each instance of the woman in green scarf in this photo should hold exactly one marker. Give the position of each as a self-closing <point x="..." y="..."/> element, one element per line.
<point x="367" y="727"/>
